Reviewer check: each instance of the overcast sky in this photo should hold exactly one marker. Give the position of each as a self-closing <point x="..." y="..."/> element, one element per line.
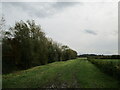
<point x="87" y="27"/>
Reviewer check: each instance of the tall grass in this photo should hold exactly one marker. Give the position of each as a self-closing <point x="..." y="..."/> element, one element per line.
<point x="109" y="66"/>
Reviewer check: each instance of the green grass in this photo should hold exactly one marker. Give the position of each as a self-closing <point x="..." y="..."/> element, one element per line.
<point x="78" y="73"/>
<point x="108" y="66"/>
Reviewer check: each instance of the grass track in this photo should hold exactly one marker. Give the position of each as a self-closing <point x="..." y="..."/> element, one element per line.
<point x="78" y="73"/>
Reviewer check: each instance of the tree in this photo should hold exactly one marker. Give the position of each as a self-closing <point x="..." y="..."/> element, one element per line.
<point x="25" y="45"/>
<point x="2" y="28"/>
<point x="68" y="53"/>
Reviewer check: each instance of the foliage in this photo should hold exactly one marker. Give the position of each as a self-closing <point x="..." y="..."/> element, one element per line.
<point x="25" y="45"/>
<point x="110" y="66"/>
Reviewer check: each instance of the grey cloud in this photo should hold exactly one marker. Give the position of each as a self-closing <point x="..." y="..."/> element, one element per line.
<point x="27" y="7"/>
<point x="90" y="32"/>
<point x="61" y="5"/>
<point x="40" y="9"/>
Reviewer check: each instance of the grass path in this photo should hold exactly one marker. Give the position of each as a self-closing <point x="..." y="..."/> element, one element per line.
<point x="78" y="73"/>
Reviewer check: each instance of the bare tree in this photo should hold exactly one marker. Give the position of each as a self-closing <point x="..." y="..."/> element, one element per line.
<point x="2" y="28"/>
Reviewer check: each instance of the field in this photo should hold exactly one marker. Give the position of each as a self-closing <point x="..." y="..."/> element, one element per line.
<point x="77" y="73"/>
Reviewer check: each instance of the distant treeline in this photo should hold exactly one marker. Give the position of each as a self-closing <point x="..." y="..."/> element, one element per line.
<point x="25" y="45"/>
<point x="100" y="56"/>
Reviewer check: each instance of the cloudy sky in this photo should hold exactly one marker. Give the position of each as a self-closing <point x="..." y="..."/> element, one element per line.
<point x="87" y="27"/>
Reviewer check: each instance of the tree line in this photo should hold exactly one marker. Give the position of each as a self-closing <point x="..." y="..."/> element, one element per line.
<point x="25" y="45"/>
<point x="95" y="56"/>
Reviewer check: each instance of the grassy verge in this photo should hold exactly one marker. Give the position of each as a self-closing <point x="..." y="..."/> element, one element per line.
<point x="78" y="73"/>
<point x="109" y="66"/>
